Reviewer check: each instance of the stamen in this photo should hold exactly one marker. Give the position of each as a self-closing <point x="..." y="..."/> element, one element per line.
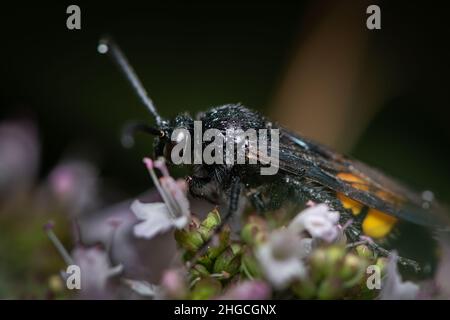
<point x="161" y="165"/>
<point x="167" y="185"/>
<point x="112" y="272"/>
<point x="114" y="223"/>
<point x="170" y="184"/>
<point x="364" y="240"/>
<point x="48" y="228"/>
<point x="346" y="224"/>
<point x="149" y="164"/>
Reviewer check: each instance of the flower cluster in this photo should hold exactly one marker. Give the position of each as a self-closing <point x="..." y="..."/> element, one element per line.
<point x="306" y="258"/>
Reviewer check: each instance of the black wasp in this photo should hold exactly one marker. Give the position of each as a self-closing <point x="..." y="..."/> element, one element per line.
<point x="306" y="171"/>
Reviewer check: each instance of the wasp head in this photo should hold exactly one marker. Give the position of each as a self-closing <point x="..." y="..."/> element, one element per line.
<point x="167" y="139"/>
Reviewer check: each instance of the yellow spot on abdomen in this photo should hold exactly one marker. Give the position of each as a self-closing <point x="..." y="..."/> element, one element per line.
<point x="356" y="183"/>
<point x="378" y="224"/>
<point x="351" y="204"/>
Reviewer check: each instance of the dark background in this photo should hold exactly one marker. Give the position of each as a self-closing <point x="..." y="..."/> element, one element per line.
<point x="195" y="55"/>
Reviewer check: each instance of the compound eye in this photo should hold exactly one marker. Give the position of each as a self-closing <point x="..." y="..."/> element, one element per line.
<point x="181" y="139"/>
<point x="167" y="152"/>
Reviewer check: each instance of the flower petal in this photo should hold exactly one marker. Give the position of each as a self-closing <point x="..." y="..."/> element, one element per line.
<point x="144" y="211"/>
<point x="282" y="264"/>
<point x="156" y="223"/>
<point x="180" y="222"/>
<point x="95" y="271"/>
<point x="143" y="288"/>
<point x="279" y="272"/>
<point x="319" y="221"/>
<point x="393" y="288"/>
<point x="176" y="194"/>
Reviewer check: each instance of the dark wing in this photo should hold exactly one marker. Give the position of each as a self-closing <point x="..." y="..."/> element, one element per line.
<point x="303" y="157"/>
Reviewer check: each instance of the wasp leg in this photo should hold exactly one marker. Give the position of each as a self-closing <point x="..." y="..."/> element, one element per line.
<point x="256" y="200"/>
<point x="235" y="192"/>
<point x="403" y="261"/>
<point x="353" y="231"/>
<point x="354" y="234"/>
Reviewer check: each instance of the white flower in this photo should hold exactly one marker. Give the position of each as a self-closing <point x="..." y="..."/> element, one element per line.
<point x="159" y="217"/>
<point x="156" y="219"/>
<point x="94" y="264"/>
<point x="393" y="288"/>
<point x="281" y="257"/>
<point x="319" y="221"/>
<point x="95" y="269"/>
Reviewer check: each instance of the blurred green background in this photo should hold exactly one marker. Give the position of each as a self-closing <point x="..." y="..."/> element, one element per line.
<point x="189" y="56"/>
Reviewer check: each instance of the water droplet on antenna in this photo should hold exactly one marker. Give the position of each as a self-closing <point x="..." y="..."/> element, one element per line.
<point x="102" y="48"/>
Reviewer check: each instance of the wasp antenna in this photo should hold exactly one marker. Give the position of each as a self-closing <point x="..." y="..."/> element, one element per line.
<point x="130" y="130"/>
<point x="108" y="46"/>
